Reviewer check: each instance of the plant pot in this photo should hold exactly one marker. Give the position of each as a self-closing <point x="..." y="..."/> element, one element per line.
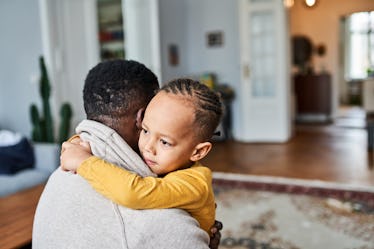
<point x="47" y="156"/>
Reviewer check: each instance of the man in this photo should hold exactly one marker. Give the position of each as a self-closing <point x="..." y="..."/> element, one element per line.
<point x="70" y="214"/>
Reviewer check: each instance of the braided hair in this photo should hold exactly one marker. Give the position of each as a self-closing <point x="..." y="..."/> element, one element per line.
<point x="207" y="104"/>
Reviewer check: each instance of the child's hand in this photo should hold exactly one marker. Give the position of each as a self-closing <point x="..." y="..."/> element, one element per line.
<point x="73" y="154"/>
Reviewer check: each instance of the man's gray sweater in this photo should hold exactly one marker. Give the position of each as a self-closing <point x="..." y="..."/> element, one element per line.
<point x="70" y="214"/>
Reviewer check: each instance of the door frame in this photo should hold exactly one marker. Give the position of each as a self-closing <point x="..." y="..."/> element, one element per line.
<point x="279" y="128"/>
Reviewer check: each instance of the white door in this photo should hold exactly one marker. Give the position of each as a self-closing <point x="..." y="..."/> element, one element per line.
<point x="142" y="33"/>
<point x="70" y="48"/>
<point x="265" y="72"/>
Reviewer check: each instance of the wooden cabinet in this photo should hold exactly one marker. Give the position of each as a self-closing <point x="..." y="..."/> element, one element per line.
<point x="313" y="96"/>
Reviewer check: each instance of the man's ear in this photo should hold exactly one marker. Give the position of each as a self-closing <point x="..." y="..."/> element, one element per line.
<point x="200" y="151"/>
<point x="139" y="117"/>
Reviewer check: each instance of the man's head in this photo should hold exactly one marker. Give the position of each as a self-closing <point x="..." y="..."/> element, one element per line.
<point x="116" y="93"/>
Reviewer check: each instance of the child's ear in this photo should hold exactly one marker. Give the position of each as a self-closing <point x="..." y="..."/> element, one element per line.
<point x="139" y="118"/>
<point x="200" y="151"/>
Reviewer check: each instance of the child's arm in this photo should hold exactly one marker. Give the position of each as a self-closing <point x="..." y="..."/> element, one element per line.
<point x="189" y="189"/>
<point x="186" y="189"/>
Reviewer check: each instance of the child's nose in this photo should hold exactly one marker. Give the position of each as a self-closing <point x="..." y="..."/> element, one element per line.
<point x="149" y="147"/>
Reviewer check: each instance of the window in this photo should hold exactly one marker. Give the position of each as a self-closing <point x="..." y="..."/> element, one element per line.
<point x="360" y="45"/>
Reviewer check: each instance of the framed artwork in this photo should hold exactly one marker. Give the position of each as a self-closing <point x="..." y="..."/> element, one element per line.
<point x="173" y="55"/>
<point x="214" y="39"/>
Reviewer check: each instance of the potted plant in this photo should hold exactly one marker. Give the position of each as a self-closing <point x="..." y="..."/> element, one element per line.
<point x="43" y="123"/>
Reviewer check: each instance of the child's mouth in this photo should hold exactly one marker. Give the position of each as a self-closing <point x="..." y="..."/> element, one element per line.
<point x="150" y="163"/>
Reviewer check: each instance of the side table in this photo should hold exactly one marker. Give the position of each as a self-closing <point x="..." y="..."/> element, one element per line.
<point x="17" y="216"/>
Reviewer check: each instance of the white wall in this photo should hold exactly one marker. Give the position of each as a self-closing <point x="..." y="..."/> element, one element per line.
<point x="216" y="15"/>
<point x="206" y="16"/>
<point x="185" y="23"/>
<point x="20" y="47"/>
<point x="142" y="41"/>
<point x="173" y="31"/>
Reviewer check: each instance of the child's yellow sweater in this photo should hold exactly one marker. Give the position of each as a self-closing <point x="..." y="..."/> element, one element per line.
<point x="189" y="189"/>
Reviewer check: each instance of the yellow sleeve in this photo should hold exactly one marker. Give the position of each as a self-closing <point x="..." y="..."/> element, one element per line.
<point x="188" y="189"/>
<point x="131" y="190"/>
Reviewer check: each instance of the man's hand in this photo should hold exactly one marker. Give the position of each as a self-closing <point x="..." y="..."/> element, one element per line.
<point x="73" y="154"/>
<point x="216" y="235"/>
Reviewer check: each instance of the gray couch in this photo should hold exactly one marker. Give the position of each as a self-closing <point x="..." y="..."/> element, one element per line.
<point x="47" y="159"/>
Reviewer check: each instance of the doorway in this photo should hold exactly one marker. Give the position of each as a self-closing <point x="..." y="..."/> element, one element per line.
<point x="322" y="25"/>
<point x="357" y="68"/>
<point x="357" y="39"/>
<point x="265" y="91"/>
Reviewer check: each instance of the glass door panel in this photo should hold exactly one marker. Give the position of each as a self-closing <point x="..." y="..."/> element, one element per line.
<point x="262" y="35"/>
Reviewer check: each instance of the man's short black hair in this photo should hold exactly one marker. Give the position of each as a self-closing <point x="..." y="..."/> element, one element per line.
<point x="114" y="88"/>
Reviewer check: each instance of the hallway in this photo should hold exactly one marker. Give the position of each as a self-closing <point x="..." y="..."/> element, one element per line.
<point x="325" y="152"/>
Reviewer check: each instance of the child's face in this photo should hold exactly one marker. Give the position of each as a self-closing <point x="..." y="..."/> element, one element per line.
<point x="167" y="139"/>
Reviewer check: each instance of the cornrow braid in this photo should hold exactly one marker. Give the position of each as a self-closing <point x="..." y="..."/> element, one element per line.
<point x="207" y="103"/>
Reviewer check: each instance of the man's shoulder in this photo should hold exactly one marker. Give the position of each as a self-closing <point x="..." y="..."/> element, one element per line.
<point x="69" y="203"/>
<point x="164" y="228"/>
<point x="70" y="209"/>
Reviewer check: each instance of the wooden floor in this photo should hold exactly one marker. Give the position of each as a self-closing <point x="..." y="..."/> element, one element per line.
<point x="336" y="152"/>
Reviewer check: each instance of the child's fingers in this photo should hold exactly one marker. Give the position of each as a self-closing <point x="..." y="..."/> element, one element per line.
<point x="75" y="140"/>
<point x="67" y="145"/>
<point x="86" y="145"/>
<point x="64" y="146"/>
<point x="62" y="165"/>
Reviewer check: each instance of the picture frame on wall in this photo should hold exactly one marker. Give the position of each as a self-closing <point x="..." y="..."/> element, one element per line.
<point x="173" y="55"/>
<point x="214" y="39"/>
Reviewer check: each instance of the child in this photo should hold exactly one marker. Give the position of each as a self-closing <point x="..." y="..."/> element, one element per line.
<point x="177" y="126"/>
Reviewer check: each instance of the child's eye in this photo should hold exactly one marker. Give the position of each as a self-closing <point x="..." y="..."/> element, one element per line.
<point x="164" y="142"/>
<point x="144" y="131"/>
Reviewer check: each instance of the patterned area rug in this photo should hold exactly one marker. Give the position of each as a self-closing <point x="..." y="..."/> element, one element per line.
<point x="279" y="213"/>
<point x="351" y="117"/>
